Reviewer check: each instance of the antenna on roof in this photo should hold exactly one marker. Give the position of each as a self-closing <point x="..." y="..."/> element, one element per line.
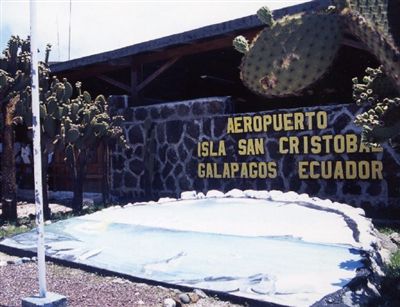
<point x="58" y="38"/>
<point x="69" y="30"/>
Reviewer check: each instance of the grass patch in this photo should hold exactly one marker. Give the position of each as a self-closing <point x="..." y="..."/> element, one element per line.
<point x="8" y="230"/>
<point x="388" y="230"/>
<point x="393" y="268"/>
<point x="27" y="223"/>
<point x="390" y="286"/>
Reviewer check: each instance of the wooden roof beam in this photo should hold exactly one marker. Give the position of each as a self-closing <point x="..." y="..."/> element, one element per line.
<point x="114" y="82"/>
<point x="158" y="72"/>
<point x="155" y="55"/>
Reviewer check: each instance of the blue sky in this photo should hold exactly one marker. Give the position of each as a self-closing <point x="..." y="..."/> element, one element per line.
<point x="98" y="26"/>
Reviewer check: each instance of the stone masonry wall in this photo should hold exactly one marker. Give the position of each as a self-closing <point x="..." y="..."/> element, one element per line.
<point x="152" y="160"/>
<point x="163" y="158"/>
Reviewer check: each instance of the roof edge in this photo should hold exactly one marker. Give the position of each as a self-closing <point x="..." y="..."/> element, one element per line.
<point x="243" y="23"/>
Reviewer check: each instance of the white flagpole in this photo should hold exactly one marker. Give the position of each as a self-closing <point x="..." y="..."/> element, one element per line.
<point x="37" y="155"/>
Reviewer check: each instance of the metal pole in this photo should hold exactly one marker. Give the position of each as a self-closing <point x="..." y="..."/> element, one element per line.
<point x="37" y="153"/>
<point x="69" y="30"/>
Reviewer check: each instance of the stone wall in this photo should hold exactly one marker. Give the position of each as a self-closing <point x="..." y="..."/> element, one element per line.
<point x="163" y="158"/>
<point x="159" y="148"/>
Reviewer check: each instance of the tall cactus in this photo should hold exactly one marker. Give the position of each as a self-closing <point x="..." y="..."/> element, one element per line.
<point x="14" y="87"/>
<point x="85" y="124"/>
<point x="51" y="109"/>
<point x="290" y="54"/>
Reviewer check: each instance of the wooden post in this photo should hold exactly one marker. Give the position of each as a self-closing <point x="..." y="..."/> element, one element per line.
<point x="134" y="81"/>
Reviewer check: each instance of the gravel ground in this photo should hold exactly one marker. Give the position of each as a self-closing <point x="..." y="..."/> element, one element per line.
<point x="86" y="289"/>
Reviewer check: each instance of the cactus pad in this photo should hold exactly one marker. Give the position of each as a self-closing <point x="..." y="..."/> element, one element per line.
<point x="241" y="44"/>
<point x="383" y="14"/>
<point x="380" y="123"/>
<point x="292" y="54"/>
<point x="377" y="25"/>
<point x="265" y="16"/>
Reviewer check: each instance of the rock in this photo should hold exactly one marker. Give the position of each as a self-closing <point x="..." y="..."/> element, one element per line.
<point x="25" y="259"/>
<point x="360" y="297"/>
<point x="188" y="195"/>
<point x="200" y="195"/>
<point x="161" y="288"/>
<point x="184" y="298"/>
<point x="15" y="262"/>
<point x="200" y="293"/>
<point x="118" y="281"/>
<point x="34" y="259"/>
<point x="47" y="222"/>
<point x="140" y="302"/>
<point x="235" y="193"/>
<point x="23" y="227"/>
<point x="18" y="261"/>
<point x="214" y="194"/>
<point x="395" y="238"/>
<point x="88" y="202"/>
<point x="169" y="302"/>
<point x="3" y="263"/>
<point x="166" y="200"/>
<point x="194" y="298"/>
<point x="386" y="242"/>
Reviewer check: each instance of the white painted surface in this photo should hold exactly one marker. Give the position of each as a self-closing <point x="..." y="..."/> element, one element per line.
<point x="280" y="250"/>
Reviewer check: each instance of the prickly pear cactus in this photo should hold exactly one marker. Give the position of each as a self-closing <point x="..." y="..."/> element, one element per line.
<point x="15" y="69"/>
<point x="85" y="121"/>
<point x="85" y="124"/>
<point x="378" y="92"/>
<point x="51" y="112"/>
<point x="383" y="15"/>
<point x="290" y="53"/>
<point x="265" y="16"/>
<point x="377" y="25"/>
<point x="14" y="89"/>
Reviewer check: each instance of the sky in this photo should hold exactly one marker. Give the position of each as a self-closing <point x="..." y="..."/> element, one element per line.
<point x="98" y="25"/>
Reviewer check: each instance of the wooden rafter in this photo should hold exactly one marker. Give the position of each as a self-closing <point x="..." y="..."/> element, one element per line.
<point x="114" y="82"/>
<point x="161" y="54"/>
<point x="158" y="72"/>
<point x="134" y="80"/>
